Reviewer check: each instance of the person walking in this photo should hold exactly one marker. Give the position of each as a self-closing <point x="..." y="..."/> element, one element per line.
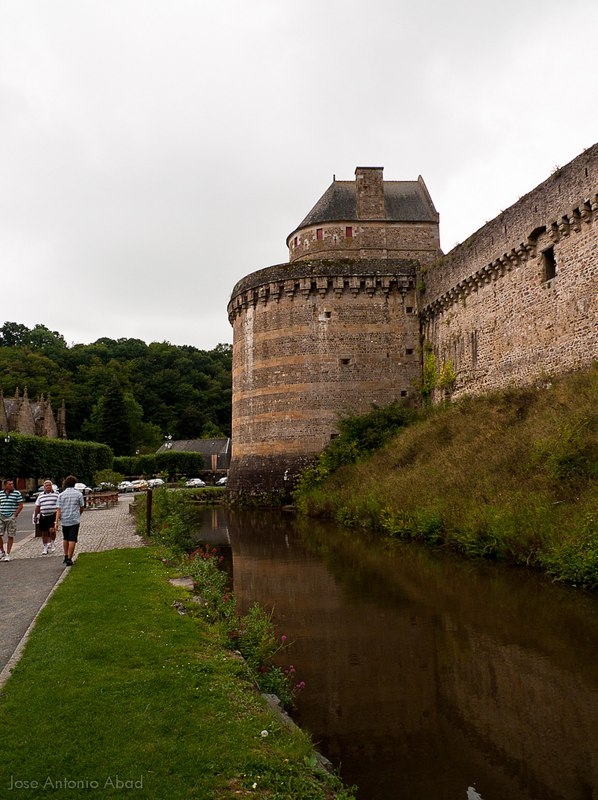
<point x="44" y="515"/>
<point x="69" y="508"/>
<point x="11" y="505"/>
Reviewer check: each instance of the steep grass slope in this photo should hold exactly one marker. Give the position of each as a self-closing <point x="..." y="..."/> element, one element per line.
<point x="512" y="475"/>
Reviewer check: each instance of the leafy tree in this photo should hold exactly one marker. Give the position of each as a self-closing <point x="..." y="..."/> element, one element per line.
<point x="51" y="343"/>
<point x="40" y="338"/>
<point x="20" y="368"/>
<point x="107" y="476"/>
<point x="12" y="334"/>
<point x="179" y="390"/>
<point x="114" y="425"/>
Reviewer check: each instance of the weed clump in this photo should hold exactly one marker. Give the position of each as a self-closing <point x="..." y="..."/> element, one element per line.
<point x="253" y="634"/>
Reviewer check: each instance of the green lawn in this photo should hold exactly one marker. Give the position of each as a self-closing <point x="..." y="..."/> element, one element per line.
<point x="117" y="692"/>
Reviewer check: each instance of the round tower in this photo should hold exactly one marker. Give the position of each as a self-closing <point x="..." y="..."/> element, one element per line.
<point x="333" y="332"/>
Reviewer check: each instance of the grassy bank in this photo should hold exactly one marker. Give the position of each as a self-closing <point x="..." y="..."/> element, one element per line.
<point x="122" y="688"/>
<point x="510" y="476"/>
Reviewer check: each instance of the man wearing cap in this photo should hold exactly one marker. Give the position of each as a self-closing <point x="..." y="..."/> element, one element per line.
<point x="44" y="515"/>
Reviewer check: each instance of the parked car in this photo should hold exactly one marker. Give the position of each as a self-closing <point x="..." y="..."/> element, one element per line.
<point x="139" y="486"/>
<point x="34" y="495"/>
<point x="222" y="481"/>
<point x="153" y="483"/>
<point x="125" y="486"/>
<point x="193" y="483"/>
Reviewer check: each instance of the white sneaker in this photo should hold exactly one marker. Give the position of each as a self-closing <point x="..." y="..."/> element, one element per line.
<point x="45" y="551"/>
<point x="2" y="554"/>
<point x="6" y="558"/>
<point x="52" y="548"/>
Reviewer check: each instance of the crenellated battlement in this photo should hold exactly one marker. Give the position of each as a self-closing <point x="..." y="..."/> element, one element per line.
<point x="324" y="278"/>
<point x="585" y="213"/>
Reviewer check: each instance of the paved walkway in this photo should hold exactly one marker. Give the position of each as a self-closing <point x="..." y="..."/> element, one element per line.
<point x="29" y="579"/>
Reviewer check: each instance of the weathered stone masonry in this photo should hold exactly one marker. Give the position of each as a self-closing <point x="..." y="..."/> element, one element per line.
<point x="310" y="347"/>
<point x="518" y="300"/>
<point x="340" y="327"/>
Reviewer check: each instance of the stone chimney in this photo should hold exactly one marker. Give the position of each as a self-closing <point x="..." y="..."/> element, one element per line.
<point x="369" y="191"/>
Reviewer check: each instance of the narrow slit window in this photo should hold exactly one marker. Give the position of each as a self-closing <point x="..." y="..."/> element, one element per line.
<point x="409" y="351"/>
<point x="549" y="264"/>
<point x="319" y="234"/>
<point x="349" y="232"/>
<point x="345" y="361"/>
<point x="474" y="348"/>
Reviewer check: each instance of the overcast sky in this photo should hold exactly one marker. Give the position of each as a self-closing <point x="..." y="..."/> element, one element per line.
<point x="154" y="152"/>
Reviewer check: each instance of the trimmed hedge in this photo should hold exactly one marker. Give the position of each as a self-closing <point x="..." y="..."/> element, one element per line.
<point x="173" y="463"/>
<point x="24" y="456"/>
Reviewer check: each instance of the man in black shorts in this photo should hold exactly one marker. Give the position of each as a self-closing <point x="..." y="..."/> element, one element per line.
<point x="44" y="515"/>
<point x="70" y="506"/>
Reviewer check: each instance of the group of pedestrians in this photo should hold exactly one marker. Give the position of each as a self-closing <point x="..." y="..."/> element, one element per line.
<point x="52" y="508"/>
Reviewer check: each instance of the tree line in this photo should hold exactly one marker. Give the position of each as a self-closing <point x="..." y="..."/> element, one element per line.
<point x="121" y="392"/>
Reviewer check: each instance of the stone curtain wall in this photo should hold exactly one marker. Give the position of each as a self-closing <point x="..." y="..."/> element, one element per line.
<point x="310" y="344"/>
<point x="518" y="300"/>
<point x="340" y="327"/>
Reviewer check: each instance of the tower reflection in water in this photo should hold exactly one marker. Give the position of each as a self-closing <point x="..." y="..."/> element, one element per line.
<point x="427" y="676"/>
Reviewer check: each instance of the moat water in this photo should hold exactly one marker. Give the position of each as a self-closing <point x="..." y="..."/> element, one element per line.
<point x="426" y="676"/>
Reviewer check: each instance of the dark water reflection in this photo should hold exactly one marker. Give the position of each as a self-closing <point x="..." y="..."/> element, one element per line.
<point x="427" y="677"/>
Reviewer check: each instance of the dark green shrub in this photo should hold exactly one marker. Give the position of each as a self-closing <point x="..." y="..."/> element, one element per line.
<point x="359" y="436"/>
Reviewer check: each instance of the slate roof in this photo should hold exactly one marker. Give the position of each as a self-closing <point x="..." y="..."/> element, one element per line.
<point x="204" y="446"/>
<point x="404" y="201"/>
<point x="207" y="447"/>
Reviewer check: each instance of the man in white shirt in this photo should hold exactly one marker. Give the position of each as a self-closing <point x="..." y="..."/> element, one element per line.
<point x="44" y="515"/>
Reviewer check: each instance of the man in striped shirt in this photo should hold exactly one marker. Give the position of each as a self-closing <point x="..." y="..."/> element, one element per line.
<point x="44" y="515"/>
<point x="11" y="505"/>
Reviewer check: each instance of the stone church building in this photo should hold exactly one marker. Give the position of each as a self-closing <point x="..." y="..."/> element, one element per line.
<point x="19" y="414"/>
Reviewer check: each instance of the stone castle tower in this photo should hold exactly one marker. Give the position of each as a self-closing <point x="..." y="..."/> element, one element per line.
<point x="333" y="331"/>
<point x="367" y="292"/>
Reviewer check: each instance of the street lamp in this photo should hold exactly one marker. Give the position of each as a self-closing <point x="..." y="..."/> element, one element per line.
<point x="5" y="458"/>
